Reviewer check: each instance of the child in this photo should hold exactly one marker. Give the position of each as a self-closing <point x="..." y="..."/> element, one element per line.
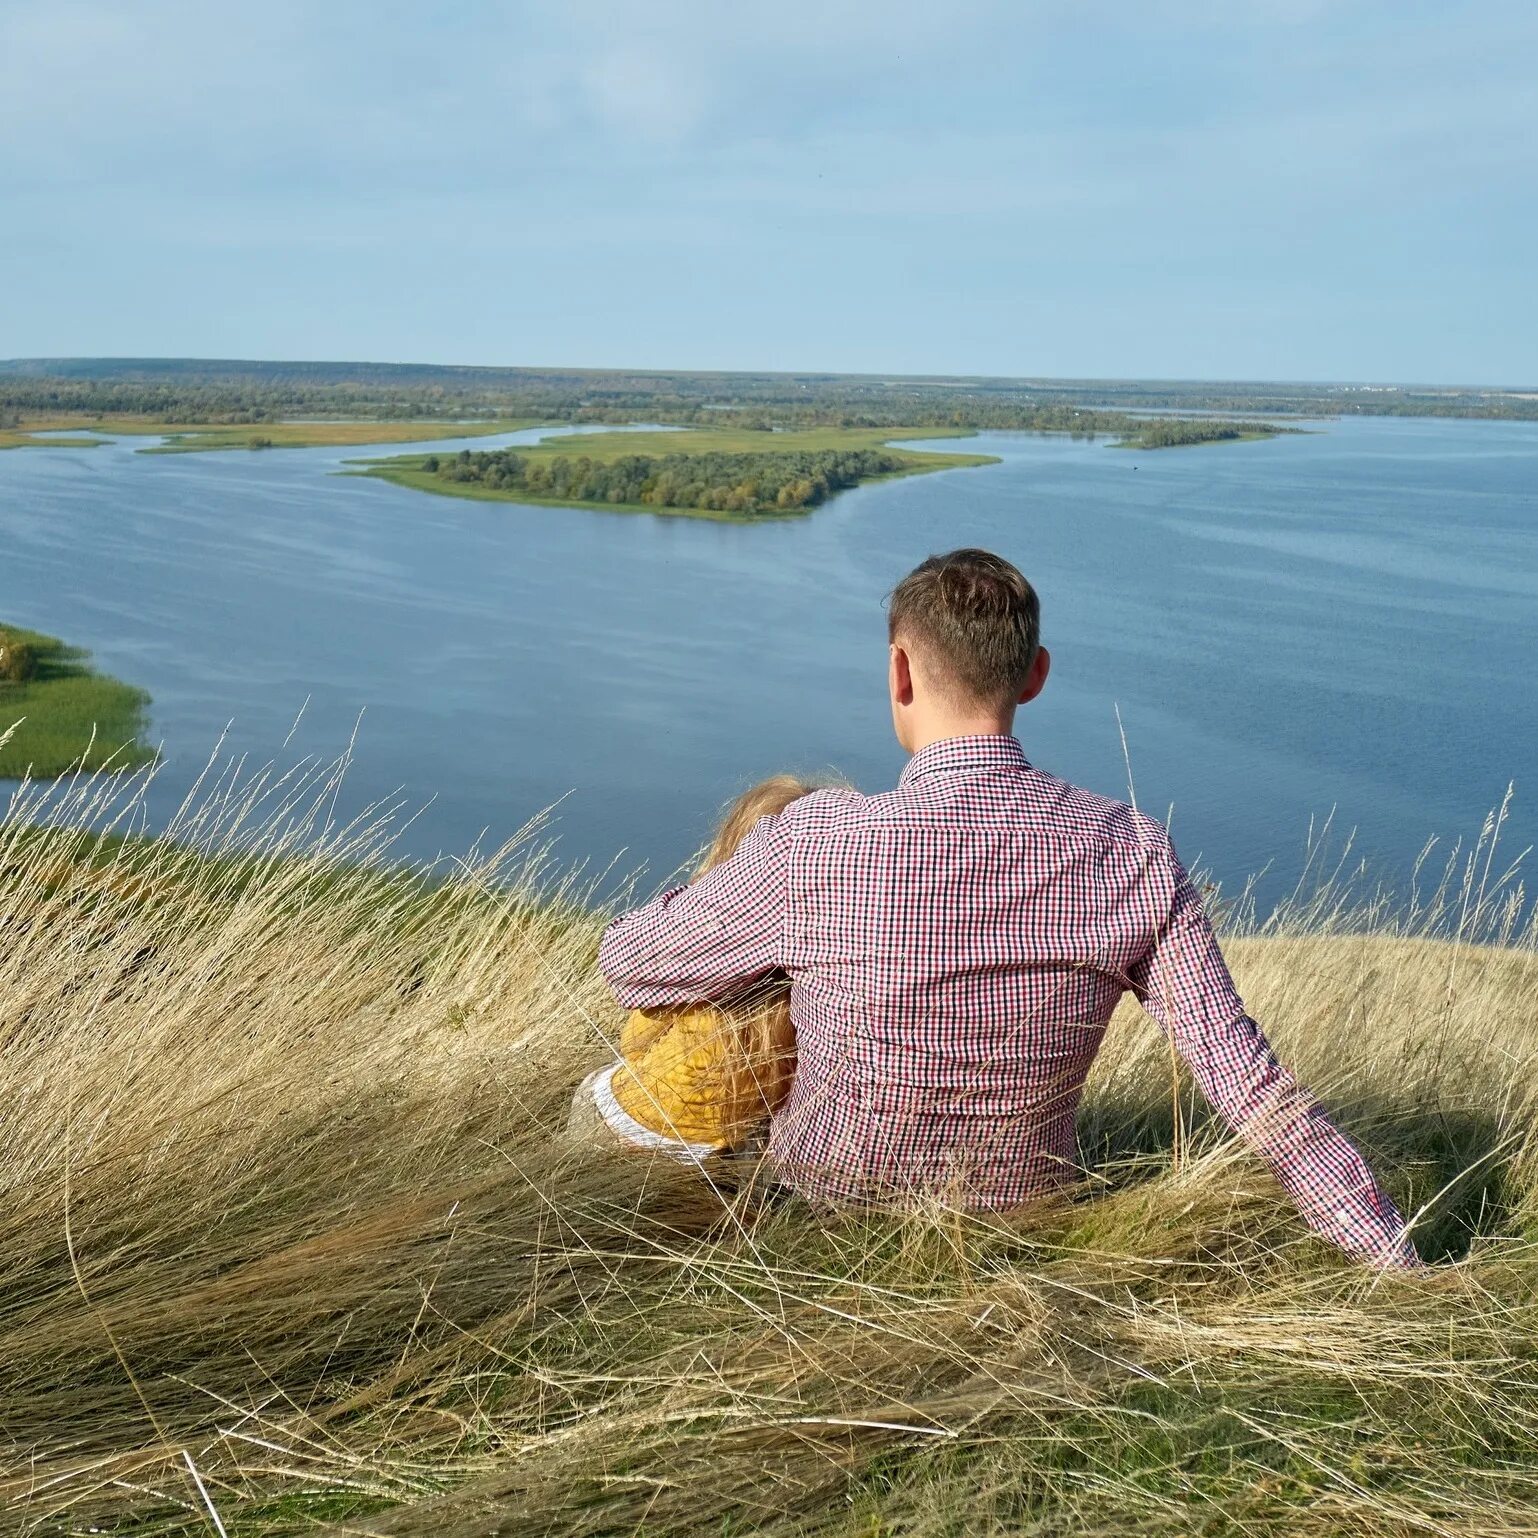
<point x="701" y="1079"/>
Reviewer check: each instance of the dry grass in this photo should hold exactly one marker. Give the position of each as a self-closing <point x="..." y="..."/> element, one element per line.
<point x="286" y="1240"/>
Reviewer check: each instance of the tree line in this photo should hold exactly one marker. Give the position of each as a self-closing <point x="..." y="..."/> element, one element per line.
<point x="236" y="393"/>
<point x="746" y="484"/>
<point x="1175" y="432"/>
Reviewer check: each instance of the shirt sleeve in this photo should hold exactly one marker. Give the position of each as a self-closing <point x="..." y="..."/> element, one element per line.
<point x="1184" y="983"/>
<point x="701" y="942"/>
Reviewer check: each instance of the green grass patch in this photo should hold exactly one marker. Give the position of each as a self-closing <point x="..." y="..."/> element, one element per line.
<point x="67" y="715"/>
<point x="316" y="435"/>
<point x="16" y="438"/>
<point x="196" y="438"/>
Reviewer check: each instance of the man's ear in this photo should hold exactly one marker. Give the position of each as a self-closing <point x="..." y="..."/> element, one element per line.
<point x="901" y="677"/>
<point x="1037" y="677"/>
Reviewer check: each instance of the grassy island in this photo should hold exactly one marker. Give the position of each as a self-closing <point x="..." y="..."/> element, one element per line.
<point x="291" y="1242"/>
<point x="721" y="473"/>
<point x="1182" y="432"/>
<point x="58" y="714"/>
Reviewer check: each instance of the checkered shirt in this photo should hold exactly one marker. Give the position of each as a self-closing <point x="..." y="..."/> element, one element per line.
<point x="956" y="947"/>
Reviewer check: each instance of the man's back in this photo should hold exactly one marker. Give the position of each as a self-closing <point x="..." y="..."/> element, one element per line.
<point x="956" y="947"/>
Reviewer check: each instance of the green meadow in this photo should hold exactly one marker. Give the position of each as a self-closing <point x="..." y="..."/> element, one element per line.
<point x="21" y="438"/>
<point x="67" y="715"/>
<point x="194" y="438"/>
<point x="317" y="435"/>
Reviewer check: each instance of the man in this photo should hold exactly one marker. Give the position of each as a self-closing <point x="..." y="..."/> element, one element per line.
<point x="956" y="947"/>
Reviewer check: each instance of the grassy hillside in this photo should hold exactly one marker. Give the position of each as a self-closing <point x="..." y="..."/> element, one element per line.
<point x="286" y="1239"/>
<point x="68" y="715"/>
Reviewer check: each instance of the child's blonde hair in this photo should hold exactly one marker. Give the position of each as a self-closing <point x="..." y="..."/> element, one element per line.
<point x="763" y="1041"/>
<point x="765" y="799"/>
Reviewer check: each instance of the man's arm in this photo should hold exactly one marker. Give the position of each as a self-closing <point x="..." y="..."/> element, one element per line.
<point x="1184" y="984"/>
<point x="703" y="941"/>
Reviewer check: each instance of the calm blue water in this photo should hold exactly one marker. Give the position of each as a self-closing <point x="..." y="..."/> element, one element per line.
<point x="1347" y="619"/>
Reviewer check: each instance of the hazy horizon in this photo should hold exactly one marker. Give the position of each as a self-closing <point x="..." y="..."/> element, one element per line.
<point x="124" y="360"/>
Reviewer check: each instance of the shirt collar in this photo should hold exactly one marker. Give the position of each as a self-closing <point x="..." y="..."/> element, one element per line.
<point x="979" y="754"/>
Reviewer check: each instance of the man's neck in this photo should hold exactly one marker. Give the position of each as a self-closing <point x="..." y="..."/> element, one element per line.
<point x="944" y="731"/>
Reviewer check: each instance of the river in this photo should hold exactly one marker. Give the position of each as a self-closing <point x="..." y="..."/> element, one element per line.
<point x="1346" y="619"/>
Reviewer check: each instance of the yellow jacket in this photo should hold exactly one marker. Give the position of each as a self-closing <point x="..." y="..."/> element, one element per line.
<point x="703" y="1075"/>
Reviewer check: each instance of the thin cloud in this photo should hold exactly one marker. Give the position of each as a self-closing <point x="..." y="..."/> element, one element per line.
<point x="773" y="178"/>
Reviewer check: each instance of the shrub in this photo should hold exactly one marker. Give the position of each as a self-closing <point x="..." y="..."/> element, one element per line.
<point x="733" y="483"/>
<point x="18" y="659"/>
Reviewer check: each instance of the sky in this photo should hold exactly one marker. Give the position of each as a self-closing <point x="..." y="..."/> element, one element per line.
<point x="1219" y="189"/>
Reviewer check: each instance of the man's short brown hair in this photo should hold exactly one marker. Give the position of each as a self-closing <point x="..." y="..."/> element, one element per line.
<point x="974" y="618"/>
